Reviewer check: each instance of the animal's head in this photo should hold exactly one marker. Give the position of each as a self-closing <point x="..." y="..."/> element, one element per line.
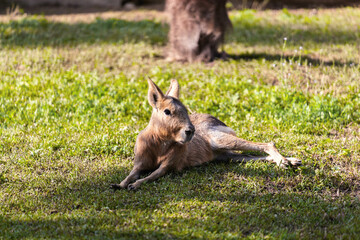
<point x="170" y="118"/>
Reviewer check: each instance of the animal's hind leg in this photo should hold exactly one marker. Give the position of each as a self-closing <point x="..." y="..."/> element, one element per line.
<point x="223" y="141"/>
<point x="243" y="158"/>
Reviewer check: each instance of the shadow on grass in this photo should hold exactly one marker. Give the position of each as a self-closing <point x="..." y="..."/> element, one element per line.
<point x="32" y="32"/>
<point x="74" y="228"/>
<point x="274" y="215"/>
<point x="277" y="57"/>
<point x="37" y="31"/>
<point x="259" y="34"/>
<point x="181" y="204"/>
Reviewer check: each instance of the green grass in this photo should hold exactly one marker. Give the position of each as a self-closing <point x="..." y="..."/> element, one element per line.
<point x="73" y="99"/>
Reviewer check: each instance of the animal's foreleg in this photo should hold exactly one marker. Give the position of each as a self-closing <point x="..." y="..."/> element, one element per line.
<point x="161" y="171"/>
<point x="134" y="175"/>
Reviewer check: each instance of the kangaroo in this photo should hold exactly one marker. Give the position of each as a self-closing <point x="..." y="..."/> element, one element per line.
<point x="197" y="28"/>
<point x="173" y="140"/>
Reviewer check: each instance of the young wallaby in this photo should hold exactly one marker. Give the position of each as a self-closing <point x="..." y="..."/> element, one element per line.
<point x="173" y="140"/>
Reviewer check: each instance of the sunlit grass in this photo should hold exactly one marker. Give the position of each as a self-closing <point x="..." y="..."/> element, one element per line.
<point x="73" y="99"/>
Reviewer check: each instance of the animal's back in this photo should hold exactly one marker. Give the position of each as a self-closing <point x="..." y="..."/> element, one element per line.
<point x="207" y="125"/>
<point x="201" y="148"/>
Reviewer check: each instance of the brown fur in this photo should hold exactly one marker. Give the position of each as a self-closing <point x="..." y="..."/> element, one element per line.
<point x="197" y="28"/>
<point x="173" y="140"/>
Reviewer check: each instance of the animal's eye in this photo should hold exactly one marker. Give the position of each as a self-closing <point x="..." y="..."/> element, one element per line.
<point x="167" y="112"/>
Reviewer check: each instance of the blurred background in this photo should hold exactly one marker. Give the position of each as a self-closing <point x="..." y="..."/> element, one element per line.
<point x="99" y="5"/>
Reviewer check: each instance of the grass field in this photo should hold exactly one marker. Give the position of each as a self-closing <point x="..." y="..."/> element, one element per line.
<point x="73" y="98"/>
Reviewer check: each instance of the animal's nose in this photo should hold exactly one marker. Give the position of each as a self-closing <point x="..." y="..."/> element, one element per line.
<point x="190" y="131"/>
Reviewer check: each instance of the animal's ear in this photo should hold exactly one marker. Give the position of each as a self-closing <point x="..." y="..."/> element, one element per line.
<point x="174" y="89"/>
<point x="154" y="94"/>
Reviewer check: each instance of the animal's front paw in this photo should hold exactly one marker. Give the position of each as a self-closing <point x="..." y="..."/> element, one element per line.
<point x="133" y="186"/>
<point x="115" y="187"/>
<point x="122" y="185"/>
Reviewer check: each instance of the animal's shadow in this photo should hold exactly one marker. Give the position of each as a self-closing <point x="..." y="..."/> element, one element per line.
<point x="278" y="57"/>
